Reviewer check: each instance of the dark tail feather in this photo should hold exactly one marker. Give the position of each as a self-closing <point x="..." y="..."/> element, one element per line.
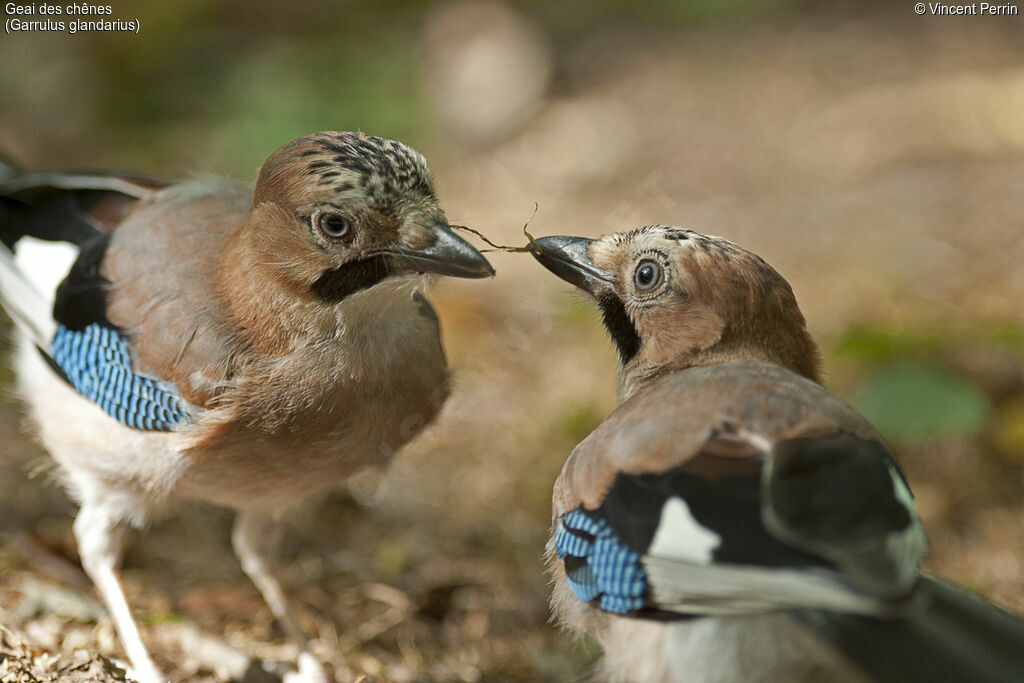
<point x="66" y="206"/>
<point x="950" y="636"/>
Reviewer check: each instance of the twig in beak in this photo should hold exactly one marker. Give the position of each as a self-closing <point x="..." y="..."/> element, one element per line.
<point x="534" y="247"/>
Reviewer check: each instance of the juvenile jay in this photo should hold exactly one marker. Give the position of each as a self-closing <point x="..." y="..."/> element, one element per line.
<point x="243" y="346"/>
<point x="732" y="520"/>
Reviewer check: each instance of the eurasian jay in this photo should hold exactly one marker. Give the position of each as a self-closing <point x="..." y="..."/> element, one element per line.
<point x="732" y="520"/>
<point x="205" y="340"/>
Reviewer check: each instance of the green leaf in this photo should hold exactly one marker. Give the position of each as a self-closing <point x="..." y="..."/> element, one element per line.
<point x="873" y="344"/>
<point x="919" y="402"/>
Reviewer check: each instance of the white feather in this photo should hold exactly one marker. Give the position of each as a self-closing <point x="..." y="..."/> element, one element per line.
<point x="28" y="282"/>
<point x="737" y="589"/>
<point x="681" y="537"/>
<point x="908" y="547"/>
<point x="44" y="264"/>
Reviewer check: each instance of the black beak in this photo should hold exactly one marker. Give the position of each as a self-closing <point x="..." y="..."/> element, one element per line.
<point x="567" y="258"/>
<point x="449" y="255"/>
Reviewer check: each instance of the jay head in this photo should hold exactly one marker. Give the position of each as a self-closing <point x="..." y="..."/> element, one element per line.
<point x="336" y="215"/>
<point x="673" y="298"/>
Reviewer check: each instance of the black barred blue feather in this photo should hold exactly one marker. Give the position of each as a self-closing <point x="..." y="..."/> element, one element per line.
<point x="97" y="362"/>
<point x="598" y="566"/>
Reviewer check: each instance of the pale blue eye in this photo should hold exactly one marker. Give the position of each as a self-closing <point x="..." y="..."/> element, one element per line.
<point x="647" y="275"/>
<point x="332" y="225"/>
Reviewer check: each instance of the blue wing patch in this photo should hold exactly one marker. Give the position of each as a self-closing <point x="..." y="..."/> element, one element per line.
<point x="598" y="566"/>
<point x="97" y="362"/>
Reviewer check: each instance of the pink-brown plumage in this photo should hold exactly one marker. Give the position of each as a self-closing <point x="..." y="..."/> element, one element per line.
<point x="287" y="319"/>
<point x="732" y="520"/>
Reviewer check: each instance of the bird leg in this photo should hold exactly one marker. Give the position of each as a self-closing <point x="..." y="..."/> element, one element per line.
<point x="100" y="543"/>
<point x="255" y="537"/>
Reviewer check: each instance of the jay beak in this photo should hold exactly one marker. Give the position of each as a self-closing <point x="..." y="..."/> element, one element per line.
<point x="732" y="520"/>
<point x="208" y="341"/>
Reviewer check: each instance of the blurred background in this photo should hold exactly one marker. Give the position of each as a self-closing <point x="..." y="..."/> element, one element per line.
<point x="873" y="156"/>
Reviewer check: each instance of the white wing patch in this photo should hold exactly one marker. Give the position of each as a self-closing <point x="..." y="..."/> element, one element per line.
<point x="735" y="589"/>
<point x="681" y="537"/>
<point x="44" y="264"/>
<point x="909" y="546"/>
<point x="683" y="576"/>
<point x="28" y="282"/>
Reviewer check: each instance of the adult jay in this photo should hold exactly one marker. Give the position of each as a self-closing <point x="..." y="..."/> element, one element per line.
<point x="244" y="346"/>
<point x="732" y="520"/>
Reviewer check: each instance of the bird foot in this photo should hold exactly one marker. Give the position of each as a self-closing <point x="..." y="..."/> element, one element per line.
<point x="147" y="673"/>
<point x="310" y="670"/>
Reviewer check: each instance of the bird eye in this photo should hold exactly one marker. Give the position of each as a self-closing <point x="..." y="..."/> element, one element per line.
<point x="647" y="275"/>
<point x="332" y="225"/>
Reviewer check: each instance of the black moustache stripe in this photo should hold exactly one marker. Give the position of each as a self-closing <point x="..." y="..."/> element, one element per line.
<point x="620" y="327"/>
<point x="339" y="283"/>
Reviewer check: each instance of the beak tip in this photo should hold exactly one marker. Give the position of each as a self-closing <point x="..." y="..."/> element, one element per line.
<point x="537" y="246"/>
<point x="566" y="257"/>
<point x="484" y="269"/>
<point x="453" y="256"/>
<point x="474" y="264"/>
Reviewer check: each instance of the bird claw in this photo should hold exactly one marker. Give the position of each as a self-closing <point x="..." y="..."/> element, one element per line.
<point x="310" y="670"/>
<point x="143" y="674"/>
